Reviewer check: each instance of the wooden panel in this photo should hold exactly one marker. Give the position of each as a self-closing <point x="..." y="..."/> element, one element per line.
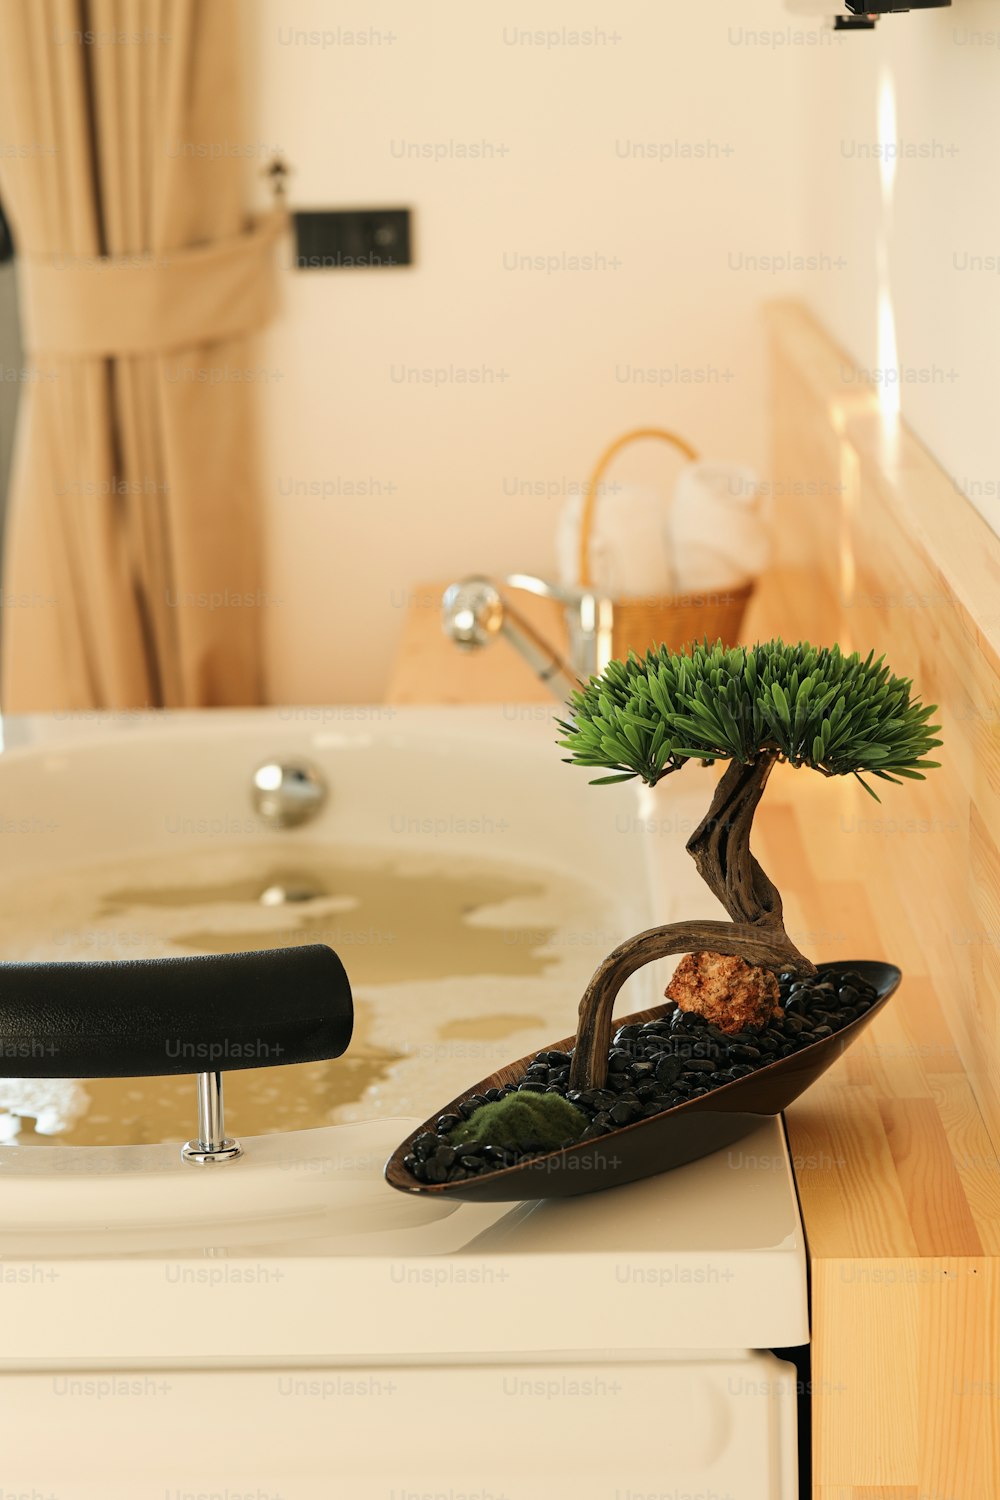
<point x="879" y="1492"/>
<point x="906" y="1371"/>
<point x="902" y="1213"/>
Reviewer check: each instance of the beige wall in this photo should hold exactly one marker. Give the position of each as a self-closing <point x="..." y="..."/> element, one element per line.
<point x="938" y="222"/>
<point x="760" y="179"/>
<point x="708" y="86"/>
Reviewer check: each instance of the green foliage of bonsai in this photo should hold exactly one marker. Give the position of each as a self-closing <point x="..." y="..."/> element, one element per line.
<point x="809" y="706"/>
<point x="543" y="1121"/>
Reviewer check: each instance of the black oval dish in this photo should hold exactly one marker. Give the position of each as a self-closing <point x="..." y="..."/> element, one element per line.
<point x="663" y="1141"/>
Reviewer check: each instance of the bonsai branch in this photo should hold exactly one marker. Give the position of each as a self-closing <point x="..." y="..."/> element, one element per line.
<point x="768" y="947"/>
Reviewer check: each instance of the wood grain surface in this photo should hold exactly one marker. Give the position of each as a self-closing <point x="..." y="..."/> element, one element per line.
<point x="895" y="1149"/>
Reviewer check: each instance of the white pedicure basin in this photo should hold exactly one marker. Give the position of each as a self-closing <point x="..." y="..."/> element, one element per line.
<point x="284" y="1324"/>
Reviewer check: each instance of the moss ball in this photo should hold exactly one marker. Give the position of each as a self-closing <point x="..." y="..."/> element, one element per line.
<point x="525" y="1120"/>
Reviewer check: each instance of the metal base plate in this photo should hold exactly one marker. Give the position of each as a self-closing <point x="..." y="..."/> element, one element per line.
<point x="197" y="1152"/>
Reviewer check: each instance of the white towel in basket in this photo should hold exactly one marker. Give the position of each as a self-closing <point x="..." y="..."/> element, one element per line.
<point x="628" y="556"/>
<point x="716" y="534"/>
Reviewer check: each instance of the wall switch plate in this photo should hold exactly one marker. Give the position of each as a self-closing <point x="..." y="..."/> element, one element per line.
<point x="339" y="239"/>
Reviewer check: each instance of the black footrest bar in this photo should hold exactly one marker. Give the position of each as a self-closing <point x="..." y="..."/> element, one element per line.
<point x="135" y="1018"/>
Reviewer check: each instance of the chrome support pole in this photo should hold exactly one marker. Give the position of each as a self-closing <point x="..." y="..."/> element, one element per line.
<point x="212" y="1143"/>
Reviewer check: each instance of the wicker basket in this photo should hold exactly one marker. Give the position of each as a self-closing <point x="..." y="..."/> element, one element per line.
<point x="675" y="620"/>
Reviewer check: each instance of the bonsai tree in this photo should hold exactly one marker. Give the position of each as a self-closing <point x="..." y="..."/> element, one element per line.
<point x="752" y="707"/>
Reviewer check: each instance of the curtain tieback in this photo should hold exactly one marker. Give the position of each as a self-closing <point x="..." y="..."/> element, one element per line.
<point x="151" y="302"/>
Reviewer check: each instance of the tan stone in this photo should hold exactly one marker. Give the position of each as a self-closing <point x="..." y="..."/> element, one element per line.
<point x="729" y="992"/>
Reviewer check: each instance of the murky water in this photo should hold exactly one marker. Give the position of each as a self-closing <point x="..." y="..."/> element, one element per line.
<point x="457" y="967"/>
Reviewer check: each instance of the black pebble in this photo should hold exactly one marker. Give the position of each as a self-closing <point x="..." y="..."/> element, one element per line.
<point x="668" y="1069"/>
<point x="599" y="1098"/>
<point x="622" y="1113"/>
<point x="495" y="1154"/>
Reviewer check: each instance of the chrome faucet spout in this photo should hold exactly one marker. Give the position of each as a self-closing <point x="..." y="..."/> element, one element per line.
<point x="474" y="613"/>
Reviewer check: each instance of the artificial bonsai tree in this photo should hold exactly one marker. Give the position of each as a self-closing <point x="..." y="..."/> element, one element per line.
<point x="758" y="1003"/>
<point x="753" y="707"/>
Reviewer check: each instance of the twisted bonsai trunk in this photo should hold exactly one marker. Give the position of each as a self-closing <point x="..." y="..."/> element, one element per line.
<point x="720" y="848"/>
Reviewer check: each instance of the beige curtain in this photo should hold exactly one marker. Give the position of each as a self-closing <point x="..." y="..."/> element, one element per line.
<point x="131" y="572"/>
